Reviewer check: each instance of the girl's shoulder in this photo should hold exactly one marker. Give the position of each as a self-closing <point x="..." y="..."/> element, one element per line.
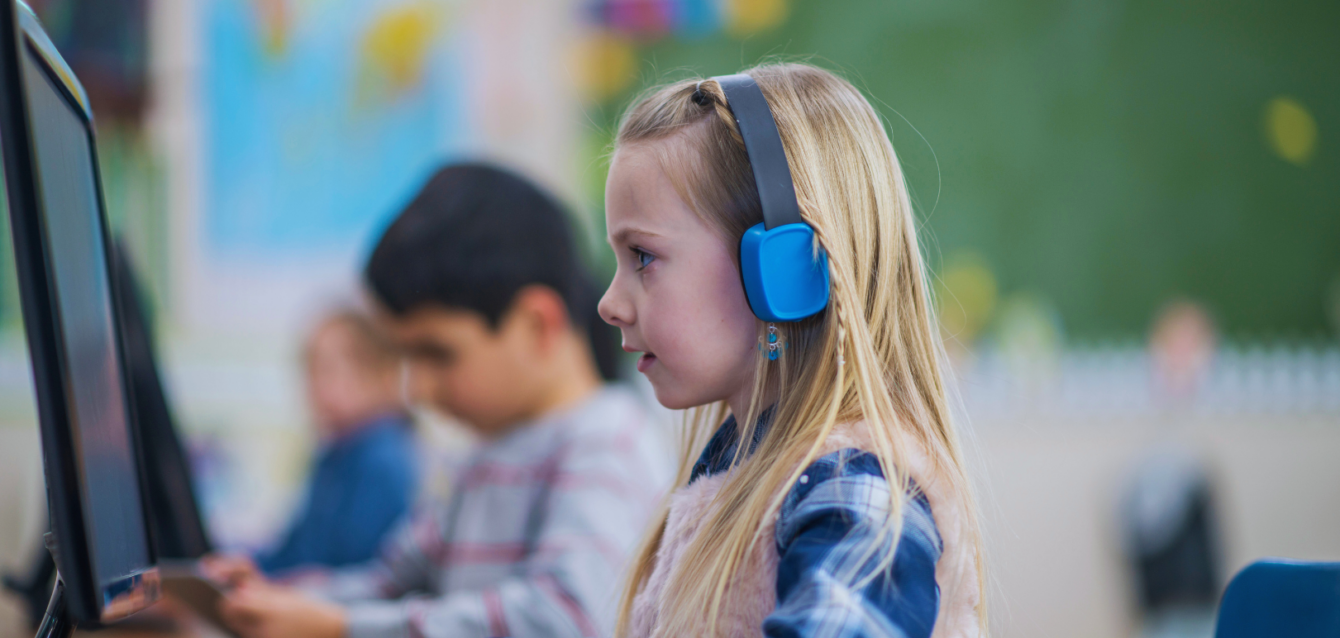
<point x="831" y="535"/>
<point x="846" y="491"/>
<point x="849" y="485"/>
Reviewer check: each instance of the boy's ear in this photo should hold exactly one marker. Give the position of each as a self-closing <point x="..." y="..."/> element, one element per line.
<point x="543" y="312"/>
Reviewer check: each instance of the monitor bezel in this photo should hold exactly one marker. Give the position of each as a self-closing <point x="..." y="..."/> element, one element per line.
<point x="90" y="602"/>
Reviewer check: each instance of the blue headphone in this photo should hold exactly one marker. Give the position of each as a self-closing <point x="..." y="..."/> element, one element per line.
<point x="783" y="279"/>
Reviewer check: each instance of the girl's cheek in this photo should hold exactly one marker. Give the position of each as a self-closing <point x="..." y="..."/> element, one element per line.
<point x="669" y="330"/>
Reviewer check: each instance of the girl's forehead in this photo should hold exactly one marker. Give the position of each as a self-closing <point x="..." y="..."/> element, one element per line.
<point x="641" y="197"/>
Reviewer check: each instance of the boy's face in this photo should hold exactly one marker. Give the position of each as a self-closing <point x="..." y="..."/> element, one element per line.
<point x="676" y="294"/>
<point x="462" y="367"/>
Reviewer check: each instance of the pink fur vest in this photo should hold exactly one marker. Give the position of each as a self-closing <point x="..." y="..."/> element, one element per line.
<point x="753" y="596"/>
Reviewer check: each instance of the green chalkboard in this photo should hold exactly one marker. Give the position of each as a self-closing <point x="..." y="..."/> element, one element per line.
<point x="1107" y="156"/>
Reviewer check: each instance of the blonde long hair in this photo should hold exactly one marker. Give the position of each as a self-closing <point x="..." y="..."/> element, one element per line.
<point x="874" y="354"/>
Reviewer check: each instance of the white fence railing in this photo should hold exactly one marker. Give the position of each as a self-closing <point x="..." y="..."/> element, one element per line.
<point x="1122" y="382"/>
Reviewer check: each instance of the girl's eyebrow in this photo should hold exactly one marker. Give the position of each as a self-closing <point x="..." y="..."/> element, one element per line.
<point x="624" y="234"/>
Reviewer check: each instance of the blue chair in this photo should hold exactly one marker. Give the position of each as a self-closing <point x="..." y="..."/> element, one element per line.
<point x="1282" y="598"/>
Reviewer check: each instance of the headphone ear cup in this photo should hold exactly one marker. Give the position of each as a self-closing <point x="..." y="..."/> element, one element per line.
<point x="782" y="278"/>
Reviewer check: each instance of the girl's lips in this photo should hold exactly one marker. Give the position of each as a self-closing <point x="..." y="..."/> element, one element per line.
<point x="644" y="362"/>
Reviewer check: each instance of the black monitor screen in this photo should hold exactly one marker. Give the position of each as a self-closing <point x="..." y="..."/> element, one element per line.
<point x="73" y="218"/>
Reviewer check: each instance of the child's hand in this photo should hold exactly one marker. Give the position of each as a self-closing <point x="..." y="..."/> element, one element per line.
<point x="230" y="570"/>
<point x="261" y="610"/>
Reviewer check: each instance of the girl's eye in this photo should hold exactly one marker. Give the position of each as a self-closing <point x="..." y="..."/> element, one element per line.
<point x="643" y="257"/>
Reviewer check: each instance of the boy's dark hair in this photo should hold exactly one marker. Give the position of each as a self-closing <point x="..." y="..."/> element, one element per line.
<point x="472" y="238"/>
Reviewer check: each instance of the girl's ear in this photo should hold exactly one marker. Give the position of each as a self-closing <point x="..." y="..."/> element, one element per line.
<point x="542" y="314"/>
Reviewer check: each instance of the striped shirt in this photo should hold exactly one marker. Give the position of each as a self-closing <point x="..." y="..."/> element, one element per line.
<point x="531" y="542"/>
<point x="826" y="530"/>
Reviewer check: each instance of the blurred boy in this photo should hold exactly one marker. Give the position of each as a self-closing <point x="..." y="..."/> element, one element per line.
<point x="483" y="291"/>
<point x="365" y="474"/>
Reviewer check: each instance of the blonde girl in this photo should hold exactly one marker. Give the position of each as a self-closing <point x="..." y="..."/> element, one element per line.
<point x="847" y="512"/>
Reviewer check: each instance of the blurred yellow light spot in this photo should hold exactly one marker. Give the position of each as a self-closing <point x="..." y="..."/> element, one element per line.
<point x="606" y="65"/>
<point x="967" y="296"/>
<point x="1291" y="130"/>
<point x="395" y="49"/>
<point x="274" y="24"/>
<point x="747" y="17"/>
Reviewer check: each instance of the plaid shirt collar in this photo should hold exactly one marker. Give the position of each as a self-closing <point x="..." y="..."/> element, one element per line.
<point x="719" y="454"/>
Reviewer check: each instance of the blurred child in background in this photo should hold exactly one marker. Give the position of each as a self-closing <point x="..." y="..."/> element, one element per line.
<point x="365" y="473"/>
<point x="483" y="292"/>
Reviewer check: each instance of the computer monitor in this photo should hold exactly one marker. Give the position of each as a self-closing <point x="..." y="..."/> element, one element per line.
<point x="177" y="529"/>
<point x="90" y="459"/>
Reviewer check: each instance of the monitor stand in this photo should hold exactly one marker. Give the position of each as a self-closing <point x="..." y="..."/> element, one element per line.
<point x="56" y="622"/>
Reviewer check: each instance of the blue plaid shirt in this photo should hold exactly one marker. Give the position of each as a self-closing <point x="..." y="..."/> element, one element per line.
<point x="825" y="531"/>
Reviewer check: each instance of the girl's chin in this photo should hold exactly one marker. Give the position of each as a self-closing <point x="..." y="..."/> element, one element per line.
<point x="675" y="398"/>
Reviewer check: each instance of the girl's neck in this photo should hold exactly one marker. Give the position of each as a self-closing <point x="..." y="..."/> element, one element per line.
<point x="739" y="402"/>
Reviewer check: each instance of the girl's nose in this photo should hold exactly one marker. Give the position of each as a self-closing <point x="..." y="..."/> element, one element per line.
<point x="613" y="308"/>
